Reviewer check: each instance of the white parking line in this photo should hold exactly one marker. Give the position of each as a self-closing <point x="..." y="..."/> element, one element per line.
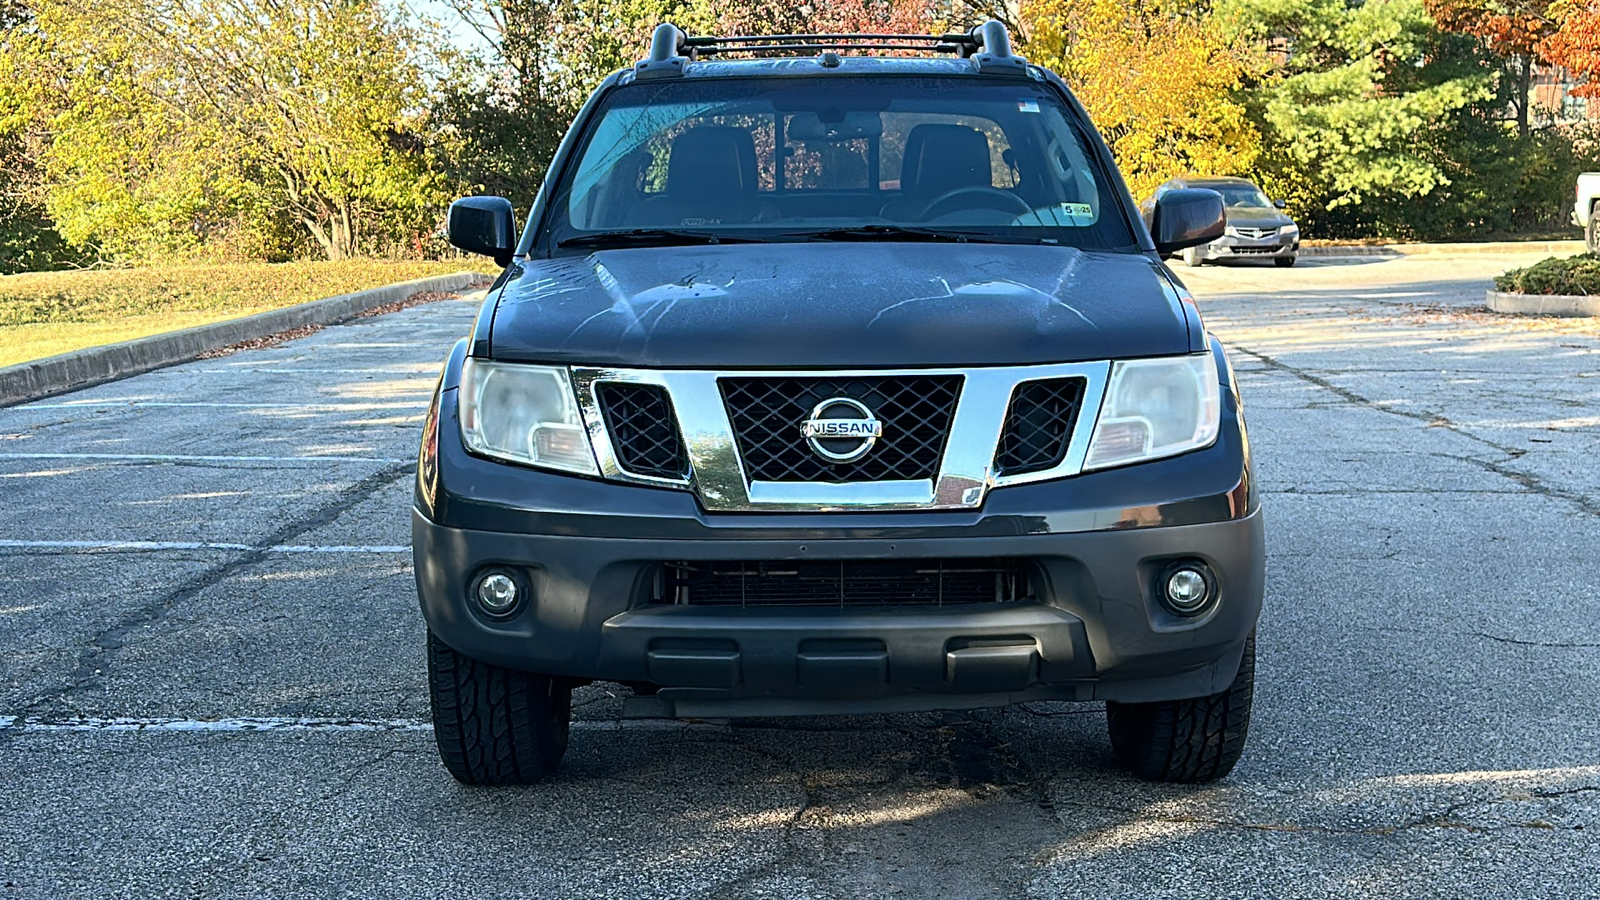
<point x="431" y="370"/>
<point x="179" y="457"/>
<point x="199" y="545"/>
<point x="120" y="545"/>
<point x="176" y="404"/>
<point x="263" y="723"/>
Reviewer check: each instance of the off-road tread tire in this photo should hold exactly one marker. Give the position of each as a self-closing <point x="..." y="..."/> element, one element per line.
<point x="1186" y="741"/>
<point x="1283" y="262"/>
<point x="1591" y="232"/>
<point x="495" y="725"/>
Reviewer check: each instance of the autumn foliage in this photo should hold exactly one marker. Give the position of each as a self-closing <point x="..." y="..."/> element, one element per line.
<point x="1157" y="77"/>
<point x="1565" y="33"/>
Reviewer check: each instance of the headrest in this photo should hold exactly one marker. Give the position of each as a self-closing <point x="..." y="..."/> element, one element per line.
<point x="712" y="160"/>
<point x="941" y="158"/>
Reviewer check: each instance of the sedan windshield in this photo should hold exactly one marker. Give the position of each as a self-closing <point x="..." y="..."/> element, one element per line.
<point x="1238" y="196"/>
<point x="704" y="160"/>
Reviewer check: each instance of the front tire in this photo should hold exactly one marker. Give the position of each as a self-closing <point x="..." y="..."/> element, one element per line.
<point x="1191" y="258"/>
<point x="495" y="725"/>
<point x="1591" y="234"/>
<point x="1283" y="262"/>
<point x="1186" y="741"/>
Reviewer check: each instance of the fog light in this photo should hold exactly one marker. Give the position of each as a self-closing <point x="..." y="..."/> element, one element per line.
<point x="497" y="593"/>
<point x="1187" y="589"/>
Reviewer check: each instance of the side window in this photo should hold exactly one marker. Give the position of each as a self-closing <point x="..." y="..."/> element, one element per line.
<point x="897" y="128"/>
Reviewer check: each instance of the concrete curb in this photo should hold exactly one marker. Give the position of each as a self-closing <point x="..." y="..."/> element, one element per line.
<point x="1551" y="247"/>
<point x="1544" y="304"/>
<point x="97" y="365"/>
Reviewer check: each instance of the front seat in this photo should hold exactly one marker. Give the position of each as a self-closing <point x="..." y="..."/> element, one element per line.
<point x="939" y="159"/>
<point x="711" y="177"/>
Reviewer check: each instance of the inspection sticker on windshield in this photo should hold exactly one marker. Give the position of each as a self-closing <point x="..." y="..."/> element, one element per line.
<point x="1078" y="209"/>
<point x="1028" y="105"/>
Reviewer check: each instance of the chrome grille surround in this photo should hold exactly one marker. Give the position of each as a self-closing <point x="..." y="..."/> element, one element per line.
<point x="1256" y="234"/>
<point x="965" y="473"/>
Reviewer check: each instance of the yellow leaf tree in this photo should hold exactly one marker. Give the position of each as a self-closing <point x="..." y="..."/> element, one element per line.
<point x="1158" y="78"/>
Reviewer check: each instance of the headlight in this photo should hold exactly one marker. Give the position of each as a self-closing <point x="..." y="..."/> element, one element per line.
<point x="1155" y="408"/>
<point x="525" y="414"/>
<point x="1289" y="231"/>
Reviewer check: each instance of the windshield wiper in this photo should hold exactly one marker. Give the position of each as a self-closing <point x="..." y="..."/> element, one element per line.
<point x="653" y="236"/>
<point x="875" y="232"/>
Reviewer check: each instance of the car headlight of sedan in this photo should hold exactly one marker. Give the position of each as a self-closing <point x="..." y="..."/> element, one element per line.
<point x="526" y="414"/>
<point x="1289" y="231"/>
<point x="1155" y="408"/>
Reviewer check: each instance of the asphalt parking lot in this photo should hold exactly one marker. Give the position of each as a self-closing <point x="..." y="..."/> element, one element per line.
<point x="213" y="682"/>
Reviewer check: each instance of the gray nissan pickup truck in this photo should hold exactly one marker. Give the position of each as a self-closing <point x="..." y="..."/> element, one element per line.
<point x="821" y="382"/>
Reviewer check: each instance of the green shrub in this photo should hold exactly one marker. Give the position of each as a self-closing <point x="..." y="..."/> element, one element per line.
<point x="1579" y="275"/>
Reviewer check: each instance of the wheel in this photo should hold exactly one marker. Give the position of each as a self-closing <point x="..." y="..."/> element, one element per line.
<point x="1191" y="258"/>
<point x="1186" y="740"/>
<point x="1591" y="234"/>
<point x="1283" y="262"/>
<point x="495" y="725"/>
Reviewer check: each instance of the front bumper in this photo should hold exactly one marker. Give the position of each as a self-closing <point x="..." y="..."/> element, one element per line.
<point x="1093" y="629"/>
<point x="1276" y="247"/>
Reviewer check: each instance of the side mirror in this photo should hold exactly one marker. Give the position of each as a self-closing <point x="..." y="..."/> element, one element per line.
<point x="483" y="225"/>
<point x="1187" y="217"/>
<point x="1279" y="204"/>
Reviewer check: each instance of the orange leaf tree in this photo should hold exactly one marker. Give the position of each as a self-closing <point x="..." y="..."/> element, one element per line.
<point x="1575" y="43"/>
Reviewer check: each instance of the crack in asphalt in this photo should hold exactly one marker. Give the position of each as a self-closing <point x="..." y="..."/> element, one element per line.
<point x="1584" y="503"/>
<point x="1435" y="633"/>
<point x="1445" y="818"/>
<point x="90" y="667"/>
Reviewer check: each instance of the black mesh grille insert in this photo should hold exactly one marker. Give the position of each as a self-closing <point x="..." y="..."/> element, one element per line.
<point x="915" y="411"/>
<point x="643" y="429"/>
<point x="843" y="583"/>
<point x="1039" y="425"/>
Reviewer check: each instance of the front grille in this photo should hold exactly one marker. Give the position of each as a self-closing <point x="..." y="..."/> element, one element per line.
<point x="915" y="410"/>
<point x="1255" y="250"/>
<point x="1256" y="234"/>
<point x="643" y="429"/>
<point x="1039" y="426"/>
<point x="843" y="583"/>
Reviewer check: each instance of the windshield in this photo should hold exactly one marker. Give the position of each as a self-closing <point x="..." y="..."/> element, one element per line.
<point x="1239" y="195"/>
<point x="836" y="158"/>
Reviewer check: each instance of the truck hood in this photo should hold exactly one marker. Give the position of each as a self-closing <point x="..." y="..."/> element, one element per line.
<point x="870" y="304"/>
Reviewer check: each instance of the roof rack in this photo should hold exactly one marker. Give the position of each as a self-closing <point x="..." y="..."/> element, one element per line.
<point x="988" y="45"/>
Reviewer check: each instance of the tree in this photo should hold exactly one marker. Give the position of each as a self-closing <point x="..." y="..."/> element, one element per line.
<point x="1511" y="29"/>
<point x="1373" y="107"/>
<point x="179" y="126"/>
<point x="1157" y="77"/>
<point x="1575" y="43"/>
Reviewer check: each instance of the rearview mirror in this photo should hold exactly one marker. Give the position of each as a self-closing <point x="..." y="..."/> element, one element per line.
<point x="845" y="127"/>
<point x="483" y="225"/>
<point x="1187" y="217"/>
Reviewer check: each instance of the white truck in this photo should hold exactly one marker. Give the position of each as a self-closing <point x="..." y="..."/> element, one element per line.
<point x="1586" y="214"/>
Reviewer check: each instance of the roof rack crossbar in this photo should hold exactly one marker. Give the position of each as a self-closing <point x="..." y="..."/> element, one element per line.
<point x="989" y="45"/>
<point x="777" y="48"/>
<point x="704" y="40"/>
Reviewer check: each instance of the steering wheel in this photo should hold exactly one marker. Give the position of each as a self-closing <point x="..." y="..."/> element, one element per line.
<point x="986" y="196"/>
